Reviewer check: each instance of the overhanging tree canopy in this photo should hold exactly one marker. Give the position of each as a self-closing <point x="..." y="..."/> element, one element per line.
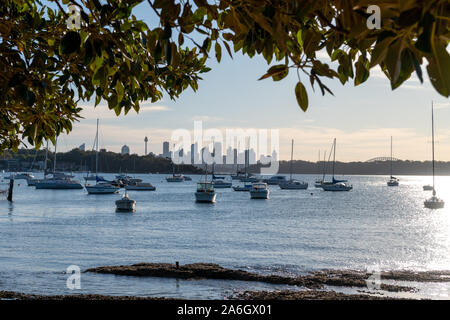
<point x="47" y="68"/>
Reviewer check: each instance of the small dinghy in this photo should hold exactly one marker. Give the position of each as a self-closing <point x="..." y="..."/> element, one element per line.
<point x="125" y="204"/>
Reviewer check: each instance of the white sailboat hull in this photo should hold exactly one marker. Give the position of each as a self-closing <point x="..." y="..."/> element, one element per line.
<point x="101" y="189"/>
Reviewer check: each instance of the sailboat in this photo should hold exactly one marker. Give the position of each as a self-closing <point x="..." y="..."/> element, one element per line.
<point x="101" y="186"/>
<point x="393" y="181"/>
<point x="336" y="185"/>
<point x="59" y="180"/>
<point x="434" y="202"/>
<point x="293" y="184"/>
<point x="205" y="190"/>
<point x="32" y="182"/>
<point x="175" y="177"/>
<point x="318" y="183"/>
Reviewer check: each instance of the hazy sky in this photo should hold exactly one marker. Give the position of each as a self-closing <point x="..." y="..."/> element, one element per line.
<point x="361" y="118"/>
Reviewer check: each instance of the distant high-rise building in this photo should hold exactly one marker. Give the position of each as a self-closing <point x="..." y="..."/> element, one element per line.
<point x="146" y="141"/>
<point x="274" y="156"/>
<point x="166" y="149"/>
<point x="192" y="154"/>
<point x="125" y="150"/>
<point x="218" y="152"/>
<point x="252" y="157"/>
<point x="230" y="156"/>
<point x="82" y="147"/>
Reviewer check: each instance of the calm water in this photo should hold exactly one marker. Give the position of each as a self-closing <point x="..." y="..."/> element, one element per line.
<point x="45" y="231"/>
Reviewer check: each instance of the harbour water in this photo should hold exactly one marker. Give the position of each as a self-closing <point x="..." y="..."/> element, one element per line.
<point x="371" y="227"/>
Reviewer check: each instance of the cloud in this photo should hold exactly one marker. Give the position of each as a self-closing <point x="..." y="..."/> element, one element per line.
<point x="103" y="112"/>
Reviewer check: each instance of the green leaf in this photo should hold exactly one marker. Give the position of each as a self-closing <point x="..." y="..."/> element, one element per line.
<point x="119" y="91"/>
<point x="302" y="96"/>
<point x="275" y="70"/>
<point x="299" y="38"/>
<point x="218" y="50"/>
<point x="439" y="69"/>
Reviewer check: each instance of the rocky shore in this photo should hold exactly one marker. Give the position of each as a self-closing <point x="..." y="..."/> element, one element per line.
<point x="314" y="286"/>
<point x="316" y="280"/>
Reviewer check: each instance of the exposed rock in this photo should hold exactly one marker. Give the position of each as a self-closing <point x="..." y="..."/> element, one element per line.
<point x="304" y="295"/>
<point x="215" y="271"/>
<point x="11" y="295"/>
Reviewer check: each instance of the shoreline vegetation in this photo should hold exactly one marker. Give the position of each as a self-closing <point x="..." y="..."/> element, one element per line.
<point x="314" y="286"/>
<point x="111" y="162"/>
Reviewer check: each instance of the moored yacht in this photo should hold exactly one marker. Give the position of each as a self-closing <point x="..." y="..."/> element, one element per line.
<point x="140" y="186"/>
<point x="125" y="204"/>
<point x="393" y="181"/>
<point x="275" y="180"/>
<point x="205" y="190"/>
<point x="336" y="185"/>
<point x="221" y="184"/>
<point x="175" y="178"/>
<point x="101" y="186"/>
<point x="259" y="190"/>
<point x="434" y="202"/>
<point x="293" y="184"/>
<point x="245" y="187"/>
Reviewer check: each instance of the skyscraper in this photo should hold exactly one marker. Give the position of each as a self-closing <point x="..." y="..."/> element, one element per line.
<point x="146" y="141"/>
<point x="166" y="150"/>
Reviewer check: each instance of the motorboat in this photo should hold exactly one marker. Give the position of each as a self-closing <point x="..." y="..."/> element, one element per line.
<point x="393" y="182"/>
<point x="175" y="178"/>
<point x="259" y="190"/>
<point x="434" y="202"/>
<point x="292" y="184"/>
<point x="187" y="178"/>
<point x="205" y="192"/>
<point x="140" y="186"/>
<point x="245" y="187"/>
<point x="221" y="184"/>
<point x="125" y="204"/>
<point x="102" y="188"/>
<point x="318" y="183"/>
<point x="275" y="180"/>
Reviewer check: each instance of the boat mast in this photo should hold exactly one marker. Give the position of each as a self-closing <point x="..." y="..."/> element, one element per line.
<point x="292" y="156"/>
<point x="324" y="165"/>
<point x="54" y="162"/>
<point x="391" y="157"/>
<point x="96" y="151"/>
<point x="432" y="141"/>
<point x="334" y="155"/>
<point x="45" y="162"/>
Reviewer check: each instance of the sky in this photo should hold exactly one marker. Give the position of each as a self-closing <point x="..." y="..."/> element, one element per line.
<point x="362" y="118"/>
